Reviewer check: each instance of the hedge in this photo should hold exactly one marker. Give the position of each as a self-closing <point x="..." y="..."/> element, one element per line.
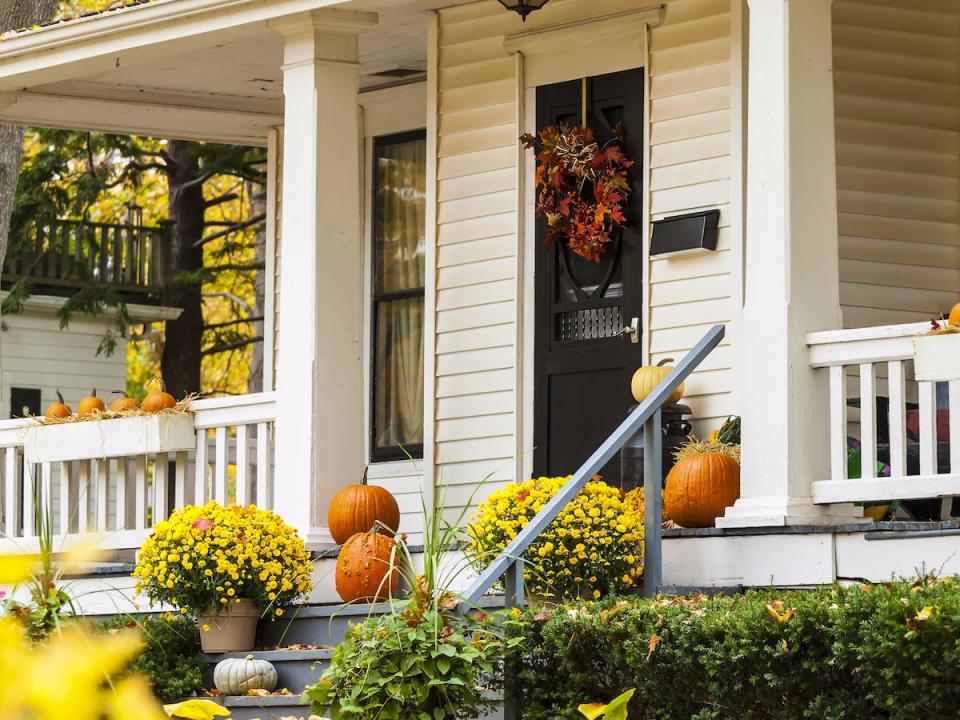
<point x="865" y="652"/>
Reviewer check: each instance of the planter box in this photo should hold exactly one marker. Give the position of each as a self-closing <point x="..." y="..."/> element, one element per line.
<point x="936" y="358"/>
<point x="119" y="437"/>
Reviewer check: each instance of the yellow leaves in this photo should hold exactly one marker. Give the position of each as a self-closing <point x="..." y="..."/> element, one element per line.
<point x="776" y="611"/>
<point x="616" y="709"/>
<point x="196" y="709"/>
<point x="652" y="645"/>
<point x="66" y="677"/>
<point x="930" y="611"/>
<point x="16" y="568"/>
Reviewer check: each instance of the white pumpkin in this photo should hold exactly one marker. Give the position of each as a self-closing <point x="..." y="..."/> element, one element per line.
<point x="236" y="676"/>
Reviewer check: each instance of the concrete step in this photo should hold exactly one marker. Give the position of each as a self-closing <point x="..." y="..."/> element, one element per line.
<point x="295" y="668"/>
<point x="271" y="707"/>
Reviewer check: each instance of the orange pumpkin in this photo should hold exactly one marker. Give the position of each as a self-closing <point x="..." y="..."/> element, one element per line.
<point x="159" y="400"/>
<point x="359" y="507"/>
<point x="700" y="487"/>
<point x="124" y="403"/>
<point x="954" y="319"/>
<point x="90" y="405"/>
<point x="58" y="409"/>
<point x="367" y="568"/>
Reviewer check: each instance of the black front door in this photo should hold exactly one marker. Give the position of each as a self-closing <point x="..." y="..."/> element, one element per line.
<point x="582" y="364"/>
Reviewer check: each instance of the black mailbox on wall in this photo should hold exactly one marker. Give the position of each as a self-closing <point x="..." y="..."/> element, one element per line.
<point x="685" y="233"/>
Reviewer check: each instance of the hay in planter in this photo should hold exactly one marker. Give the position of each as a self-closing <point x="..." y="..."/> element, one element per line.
<point x="695" y="447"/>
<point x="181" y="408"/>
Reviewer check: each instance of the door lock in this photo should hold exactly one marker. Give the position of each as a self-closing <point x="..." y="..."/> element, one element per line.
<point x="633" y="330"/>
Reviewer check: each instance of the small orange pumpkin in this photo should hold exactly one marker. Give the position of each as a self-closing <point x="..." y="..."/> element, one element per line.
<point x="90" y="405"/>
<point x="159" y="400"/>
<point x="358" y="508"/>
<point x="58" y="409"/>
<point x="124" y="403"/>
<point x="700" y="487"/>
<point x="367" y="568"/>
<point x="954" y="319"/>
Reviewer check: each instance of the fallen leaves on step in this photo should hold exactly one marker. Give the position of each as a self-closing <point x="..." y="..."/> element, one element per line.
<point x="266" y="693"/>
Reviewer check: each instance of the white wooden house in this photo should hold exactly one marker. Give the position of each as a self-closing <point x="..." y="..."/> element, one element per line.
<point x="411" y="295"/>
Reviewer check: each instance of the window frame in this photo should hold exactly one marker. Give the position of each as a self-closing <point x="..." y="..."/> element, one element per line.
<point x="386" y="453"/>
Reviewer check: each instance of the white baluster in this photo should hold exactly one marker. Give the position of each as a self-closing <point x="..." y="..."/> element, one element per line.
<point x="263" y="465"/>
<point x="243" y="465"/>
<point x="955" y="426"/>
<point x="140" y="490"/>
<point x="83" y="497"/>
<point x="838" y="423"/>
<point x="180" y="480"/>
<point x="11" y="491"/>
<point x="160" y="473"/>
<point x="868" y="421"/>
<point x="200" y="469"/>
<point x="46" y="493"/>
<point x="65" y="498"/>
<point x="928" y="428"/>
<point x="898" y="418"/>
<point x="121" y="479"/>
<point x="220" y="465"/>
<point x="101" y="469"/>
<point x="28" y="497"/>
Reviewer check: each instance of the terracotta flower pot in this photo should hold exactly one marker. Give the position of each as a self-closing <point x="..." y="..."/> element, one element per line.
<point x="233" y="630"/>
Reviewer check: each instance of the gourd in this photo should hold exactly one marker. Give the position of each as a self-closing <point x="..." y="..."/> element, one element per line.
<point x="90" y="405"/>
<point x="237" y="676"/>
<point x="367" y="569"/>
<point x="124" y="403"/>
<point x="954" y="319"/>
<point x="646" y="379"/>
<point x="730" y="431"/>
<point x="700" y="487"/>
<point x="159" y="400"/>
<point x="358" y="508"/>
<point x="58" y="409"/>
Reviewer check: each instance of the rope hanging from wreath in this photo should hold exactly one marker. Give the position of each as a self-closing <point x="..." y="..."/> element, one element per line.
<point x="582" y="186"/>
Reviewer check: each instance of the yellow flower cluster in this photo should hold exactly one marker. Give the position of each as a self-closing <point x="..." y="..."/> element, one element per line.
<point x="72" y="675"/>
<point x="202" y="558"/>
<point x="594" y="547"/>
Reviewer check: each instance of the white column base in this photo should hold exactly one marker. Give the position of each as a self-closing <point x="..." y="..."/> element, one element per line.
<point x="780" y="512"/>
<point x="317" y="538"/>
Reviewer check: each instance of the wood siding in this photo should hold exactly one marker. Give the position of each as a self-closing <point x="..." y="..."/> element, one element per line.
<point x="477" y="305"/>
<point x="897" y="94"/>
<point x="36" y="353"/>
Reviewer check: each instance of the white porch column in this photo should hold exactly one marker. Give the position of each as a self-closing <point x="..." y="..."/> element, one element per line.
<point x="791" y="264"/>
<point x="320" y="427"/>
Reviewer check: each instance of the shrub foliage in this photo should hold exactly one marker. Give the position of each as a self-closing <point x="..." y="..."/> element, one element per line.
<point x="870" y="652"/>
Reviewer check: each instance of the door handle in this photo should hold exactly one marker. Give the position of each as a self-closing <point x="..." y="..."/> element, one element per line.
<point x="633" y="330"/>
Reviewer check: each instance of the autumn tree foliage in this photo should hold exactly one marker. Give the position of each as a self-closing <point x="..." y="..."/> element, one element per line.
<point x="205" y="191"/>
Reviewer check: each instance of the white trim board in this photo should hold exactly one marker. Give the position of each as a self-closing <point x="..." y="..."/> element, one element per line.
<point x="589" y="47"/>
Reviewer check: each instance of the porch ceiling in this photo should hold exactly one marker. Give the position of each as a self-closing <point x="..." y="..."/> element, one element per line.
<point x="192" y="69"/>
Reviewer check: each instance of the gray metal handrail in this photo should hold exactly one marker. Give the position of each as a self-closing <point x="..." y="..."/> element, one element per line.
<point x="509" y="562"/>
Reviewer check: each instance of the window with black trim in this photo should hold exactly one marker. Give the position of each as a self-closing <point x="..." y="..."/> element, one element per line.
<point x="397" y="316"/>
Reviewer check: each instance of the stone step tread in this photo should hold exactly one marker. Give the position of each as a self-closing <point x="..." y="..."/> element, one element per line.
<point x="261" y="701"/>
<point x="275" y="656"/>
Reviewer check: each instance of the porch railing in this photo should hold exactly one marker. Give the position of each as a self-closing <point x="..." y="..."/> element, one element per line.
<point x="509" y="563"/>
<point x="121" y="498"/>
<point x="874" y="397"/>
<point x="68" y="253"/>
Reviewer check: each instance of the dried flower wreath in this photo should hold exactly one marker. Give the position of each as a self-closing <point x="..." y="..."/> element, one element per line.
<point x="582" y="186"/>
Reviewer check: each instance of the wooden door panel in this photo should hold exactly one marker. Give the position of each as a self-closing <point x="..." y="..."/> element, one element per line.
<point x="582" y="366"/>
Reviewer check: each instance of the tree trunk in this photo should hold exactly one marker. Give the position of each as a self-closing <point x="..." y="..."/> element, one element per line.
<point x="182" y="347"/>
<point x="258" y="206"/>
<point x="15" y="14"/>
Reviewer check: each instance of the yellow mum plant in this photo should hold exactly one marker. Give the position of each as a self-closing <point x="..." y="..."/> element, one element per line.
<point x="202" y="558"/>
<point x="594" y="547"/>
